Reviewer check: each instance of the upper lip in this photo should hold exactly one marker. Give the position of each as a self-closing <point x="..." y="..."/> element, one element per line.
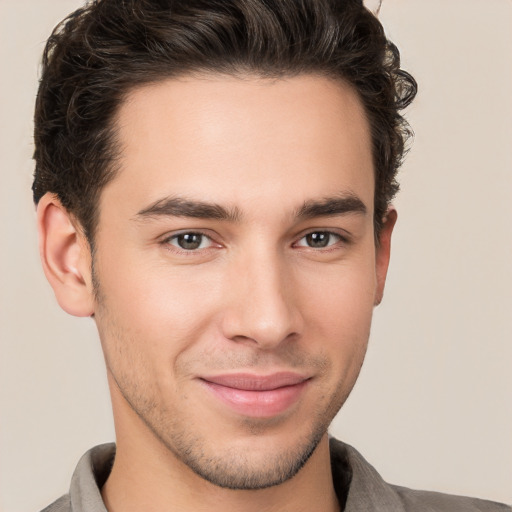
<point x="253" y="382"/>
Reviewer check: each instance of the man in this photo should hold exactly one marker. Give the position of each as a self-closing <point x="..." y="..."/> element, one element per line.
<point x="213" y="185"/>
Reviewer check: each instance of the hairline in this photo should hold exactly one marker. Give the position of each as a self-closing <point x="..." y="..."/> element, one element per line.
<point x="200" y="73"/>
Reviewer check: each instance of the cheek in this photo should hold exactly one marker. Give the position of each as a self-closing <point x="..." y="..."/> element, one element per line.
<point x="338" y="313"/>
<point x="157" y="312"/>
<point x="343" y="294"/>
<point x="154" y="311"/>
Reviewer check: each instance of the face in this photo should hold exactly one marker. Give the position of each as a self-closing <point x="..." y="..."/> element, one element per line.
<point x="237" y="270"/>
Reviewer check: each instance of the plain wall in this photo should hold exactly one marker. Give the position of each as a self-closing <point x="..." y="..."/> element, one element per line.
<point x="432" y="408"/>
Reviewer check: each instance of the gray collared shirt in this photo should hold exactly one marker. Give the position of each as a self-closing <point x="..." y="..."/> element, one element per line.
<point x="358" y="486"/>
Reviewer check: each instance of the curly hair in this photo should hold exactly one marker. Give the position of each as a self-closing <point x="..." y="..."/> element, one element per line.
<point x="102" y="51"/>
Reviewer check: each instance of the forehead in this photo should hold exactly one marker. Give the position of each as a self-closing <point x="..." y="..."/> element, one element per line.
<point x="236" y="140"/>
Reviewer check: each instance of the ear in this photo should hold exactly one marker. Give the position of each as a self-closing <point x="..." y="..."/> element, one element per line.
<point x="66" y="257"/>
<point x="383" y="251"/>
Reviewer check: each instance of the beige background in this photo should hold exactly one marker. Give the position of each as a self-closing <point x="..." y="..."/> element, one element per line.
<point x="433" y="405"/>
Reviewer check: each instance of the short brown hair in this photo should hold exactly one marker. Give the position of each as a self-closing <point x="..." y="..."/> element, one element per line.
<point x="100" y="52"/>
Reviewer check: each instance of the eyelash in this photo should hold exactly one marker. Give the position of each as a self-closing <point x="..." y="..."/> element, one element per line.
<point x="188" y="252"/>
<point x="167" y="242"/>
<point x="330" y="234"/>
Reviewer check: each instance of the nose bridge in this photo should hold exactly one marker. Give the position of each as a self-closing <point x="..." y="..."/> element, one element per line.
<point x="262" y="305"/>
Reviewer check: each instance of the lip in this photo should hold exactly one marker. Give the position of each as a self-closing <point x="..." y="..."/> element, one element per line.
<point x="257" y="396"/>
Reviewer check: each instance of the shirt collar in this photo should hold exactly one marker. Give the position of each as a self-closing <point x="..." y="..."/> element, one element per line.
<point x="366" y="489"/>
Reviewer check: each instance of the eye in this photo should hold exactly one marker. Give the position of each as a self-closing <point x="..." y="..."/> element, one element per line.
<point x="319" y="239"/>
<point x="190" y="241"/>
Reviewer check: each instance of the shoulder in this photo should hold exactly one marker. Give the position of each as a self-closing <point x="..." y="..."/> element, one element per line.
<point x="90" y="474"/>
<point x="368" y="491"/>
<point x="426" y="501"/>
<point x="63" y="504"/>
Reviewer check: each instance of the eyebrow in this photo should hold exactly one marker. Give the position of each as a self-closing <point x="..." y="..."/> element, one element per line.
<point x="180" y="207"/>
<point x="332" y="206"/>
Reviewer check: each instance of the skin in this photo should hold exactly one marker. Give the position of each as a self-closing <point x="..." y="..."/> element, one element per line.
<point x="256" y="296"/>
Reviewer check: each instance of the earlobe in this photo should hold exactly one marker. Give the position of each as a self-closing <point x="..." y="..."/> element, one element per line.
<point x="383" y="252"/>
<point x="65" y="257"/>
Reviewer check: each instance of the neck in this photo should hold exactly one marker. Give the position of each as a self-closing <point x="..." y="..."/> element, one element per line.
<point x="147" y="476"/>
<point x="141" y="482"/>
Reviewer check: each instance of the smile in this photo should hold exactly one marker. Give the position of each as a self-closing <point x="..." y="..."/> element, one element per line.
<point x="257" y="396"/>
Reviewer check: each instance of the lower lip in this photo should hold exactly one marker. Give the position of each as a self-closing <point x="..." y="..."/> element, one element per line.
<point x="258" y="404"/>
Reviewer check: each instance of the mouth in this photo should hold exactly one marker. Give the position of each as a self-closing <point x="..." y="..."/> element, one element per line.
<point x="257" y="396"/>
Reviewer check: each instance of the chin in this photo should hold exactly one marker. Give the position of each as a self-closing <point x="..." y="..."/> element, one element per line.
<point x="256" y="463"/>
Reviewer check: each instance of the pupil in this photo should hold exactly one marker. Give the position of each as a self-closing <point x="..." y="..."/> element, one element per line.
<point x="318" y="239"/>
<point x="190" y="241"/>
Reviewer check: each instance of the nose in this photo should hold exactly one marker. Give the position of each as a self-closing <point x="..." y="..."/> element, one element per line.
<point x="262" y="304"/>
